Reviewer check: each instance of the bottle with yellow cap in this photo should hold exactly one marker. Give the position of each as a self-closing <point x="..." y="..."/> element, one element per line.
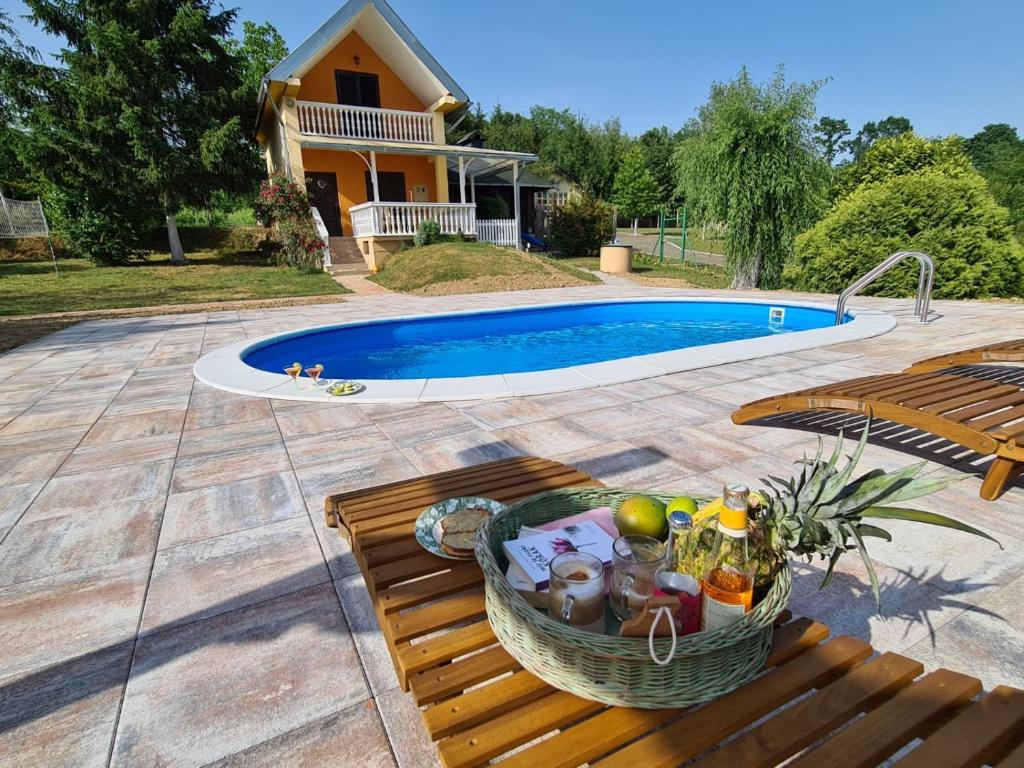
<point x="728" y="581"/>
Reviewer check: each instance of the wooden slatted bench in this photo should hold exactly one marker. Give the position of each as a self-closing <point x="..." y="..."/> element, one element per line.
<point x="831" y="696"/>
<point x="1002" y="352"/>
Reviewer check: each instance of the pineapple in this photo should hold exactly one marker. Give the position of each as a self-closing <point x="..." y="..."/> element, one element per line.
<point x="822" y="511"/>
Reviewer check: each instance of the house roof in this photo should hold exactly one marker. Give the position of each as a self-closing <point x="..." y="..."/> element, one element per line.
<point x="378" y="24"/>
<point x="503" y="178"/>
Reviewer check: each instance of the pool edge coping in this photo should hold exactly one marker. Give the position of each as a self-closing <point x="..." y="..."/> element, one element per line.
<point x="225" y="369"/>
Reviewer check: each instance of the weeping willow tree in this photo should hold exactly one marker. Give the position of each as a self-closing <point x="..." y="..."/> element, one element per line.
<point x="749" y="160"/>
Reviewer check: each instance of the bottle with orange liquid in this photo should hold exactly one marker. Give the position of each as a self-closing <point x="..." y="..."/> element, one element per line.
<point x="728" y="583"/>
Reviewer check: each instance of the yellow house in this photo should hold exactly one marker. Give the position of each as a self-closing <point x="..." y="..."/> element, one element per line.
<point x="357" y="114"/>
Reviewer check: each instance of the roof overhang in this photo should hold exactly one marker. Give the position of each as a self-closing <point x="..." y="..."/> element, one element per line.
<point x="476" y="160"/>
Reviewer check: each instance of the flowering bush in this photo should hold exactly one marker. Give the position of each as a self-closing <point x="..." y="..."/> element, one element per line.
<point x="284" y="206"/>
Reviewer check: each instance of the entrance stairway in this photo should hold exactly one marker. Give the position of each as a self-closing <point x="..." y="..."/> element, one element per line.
<point x="346" y="258"/>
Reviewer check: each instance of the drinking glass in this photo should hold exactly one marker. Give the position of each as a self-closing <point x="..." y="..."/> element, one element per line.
<point x="636" y="561"/>
<point x="314" y="373"/>
<point x="294" y="370"/>
<point x="576" y="591"/>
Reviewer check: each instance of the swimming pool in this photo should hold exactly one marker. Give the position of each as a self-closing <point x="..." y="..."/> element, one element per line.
<point x="528" y="350"/>
<point x="529" y="339"/>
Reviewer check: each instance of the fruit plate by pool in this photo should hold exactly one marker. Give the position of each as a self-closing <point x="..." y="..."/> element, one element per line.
<point x="464" y="514"/>
<point x="343" y="388"/>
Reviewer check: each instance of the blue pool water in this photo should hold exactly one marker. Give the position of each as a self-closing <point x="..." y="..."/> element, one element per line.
<point x="533" y="339"/>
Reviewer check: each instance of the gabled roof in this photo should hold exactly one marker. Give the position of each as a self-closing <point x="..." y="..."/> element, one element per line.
<point x="378" y="24"/>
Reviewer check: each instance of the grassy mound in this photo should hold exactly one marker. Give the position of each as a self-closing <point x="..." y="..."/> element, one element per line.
<point x="448" y="268"/>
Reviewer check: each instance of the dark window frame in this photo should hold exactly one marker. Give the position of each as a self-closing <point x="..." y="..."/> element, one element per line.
<point x="359" y="79"/>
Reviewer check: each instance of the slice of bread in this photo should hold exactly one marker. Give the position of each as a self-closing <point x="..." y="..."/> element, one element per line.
<point x="458" y="544"/>
<point x="464" y="521"/>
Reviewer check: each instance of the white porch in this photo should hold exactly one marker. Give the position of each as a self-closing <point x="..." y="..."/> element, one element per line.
<point x="403" y="219"/>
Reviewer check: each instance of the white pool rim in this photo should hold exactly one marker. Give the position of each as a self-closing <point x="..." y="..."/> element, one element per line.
<point x="225" y="369"/>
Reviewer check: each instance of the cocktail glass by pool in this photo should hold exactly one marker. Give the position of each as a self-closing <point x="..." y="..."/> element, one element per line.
<point x="294" y="370"/>
<point x="314" y="373"/>
<point x="576" y="591"/>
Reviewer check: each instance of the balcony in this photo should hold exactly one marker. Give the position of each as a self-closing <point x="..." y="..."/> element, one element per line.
<point x="341" y="121"/>
<point x="403" y="219"/>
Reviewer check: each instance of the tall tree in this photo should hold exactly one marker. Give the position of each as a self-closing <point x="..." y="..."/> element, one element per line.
<point x="829" y="133"/>
<point x="998" y="153"/>
<point x="871" y="132"/>
<point x="752" y="163"/>
<point x="635" y="191"/>
<point x="142" y="111"/>
<point x="658" y="144"/>
<point x="14" y="176"/>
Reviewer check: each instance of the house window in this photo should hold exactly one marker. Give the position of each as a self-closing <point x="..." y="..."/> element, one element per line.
<point x="358" y="89"/>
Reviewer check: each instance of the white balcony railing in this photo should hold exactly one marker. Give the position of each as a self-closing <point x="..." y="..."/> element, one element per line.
<point x="342" y="121"/>
<point x="403" y="219"/>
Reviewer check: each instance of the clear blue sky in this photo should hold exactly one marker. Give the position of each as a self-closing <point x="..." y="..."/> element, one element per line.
<point x="951" y="66"/>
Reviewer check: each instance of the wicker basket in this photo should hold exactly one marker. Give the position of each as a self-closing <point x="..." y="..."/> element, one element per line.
<point x="616" y="670"/>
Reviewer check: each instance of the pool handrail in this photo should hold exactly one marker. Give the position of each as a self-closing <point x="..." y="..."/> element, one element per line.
<point x="925" y="281"/>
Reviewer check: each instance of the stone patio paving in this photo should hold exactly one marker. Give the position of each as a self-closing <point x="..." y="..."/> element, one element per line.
<point x="170" y="595"/>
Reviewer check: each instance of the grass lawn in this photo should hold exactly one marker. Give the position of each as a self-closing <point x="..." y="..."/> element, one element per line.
<point x="688" y="275"/>
<point x="449" y="268"/>
<point x="32" y="287"/>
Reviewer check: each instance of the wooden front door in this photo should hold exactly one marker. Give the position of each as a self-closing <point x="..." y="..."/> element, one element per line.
<point x="391" y="185"/>
<point x="323" y="195"/>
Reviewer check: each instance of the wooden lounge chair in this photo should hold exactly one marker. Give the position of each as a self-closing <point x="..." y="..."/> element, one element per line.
<point x="1003" y="352"/>
<point x="983" y="414"/>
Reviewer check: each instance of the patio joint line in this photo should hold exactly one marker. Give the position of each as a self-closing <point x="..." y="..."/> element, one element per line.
<point x="152" y="563"/>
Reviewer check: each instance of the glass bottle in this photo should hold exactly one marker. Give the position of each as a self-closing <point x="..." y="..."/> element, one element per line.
<point x="728" y="581"/>
<point x="678" y="578"/>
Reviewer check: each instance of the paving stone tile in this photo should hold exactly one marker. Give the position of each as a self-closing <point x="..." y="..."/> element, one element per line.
<point x="327" y="418"/>
<point x="210" y="689"/>
<point x="62" y="543"/>
<point x="241" y="434"/>
<point x="330" y="447"/>
<point x="45" y="441"/>
<point x="16" y="470"/>
<point x="200" y="579"/>
<point x="63" y="715"/>
<point x="228" y="412"/>
<point x="509" y="412"/>
<point x="100" y="456"/>
<point x="134" y="406"/>
<point x="624" y="465"/>
<point x="621" y="421"/>
<point x="14" y="500"/>
<point x="463" y="449"/>
<point x="354" y="736"/>
<point x="228" y="507"/>
<point x="986" y="641"/>
<point x="425" y="423"/>
<point x="322" y="480"/>
<point x="370" y="645"/>
<point x="548" y="438"/>
<point x="689" y="407"/>
<point x="34" y="420"/>
<point x="91" y="490"/>
<point x="109" y="429"/>
<point x="697" y="447"/>
<point x="56" y="618"/>
<point x="911" y="609"/>
<point x="404" y="725"/>
<point x="227" y="466"/>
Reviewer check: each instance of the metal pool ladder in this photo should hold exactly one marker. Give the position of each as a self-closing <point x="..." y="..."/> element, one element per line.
<point x="925" y="280"/>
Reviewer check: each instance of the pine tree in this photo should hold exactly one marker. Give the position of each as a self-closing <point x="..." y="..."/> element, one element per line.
<point x="635" y="191"/>
<point x="140" y="116"/>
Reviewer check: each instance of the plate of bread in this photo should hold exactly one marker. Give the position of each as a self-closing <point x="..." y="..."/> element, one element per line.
<point x="448" y="528"/>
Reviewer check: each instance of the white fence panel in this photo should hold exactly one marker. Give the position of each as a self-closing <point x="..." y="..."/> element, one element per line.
<point x="497" y="231"/>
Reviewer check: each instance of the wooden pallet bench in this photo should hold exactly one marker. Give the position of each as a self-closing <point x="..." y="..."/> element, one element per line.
<point x="480" y="706"/>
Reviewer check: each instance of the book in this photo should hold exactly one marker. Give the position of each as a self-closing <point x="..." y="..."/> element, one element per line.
<point x="533" y="554"/>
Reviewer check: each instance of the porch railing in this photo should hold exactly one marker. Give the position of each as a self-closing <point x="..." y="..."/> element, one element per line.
<point x="343" y="121"/>
<point x="496" y="231"/>
<point x="403" y="219"/>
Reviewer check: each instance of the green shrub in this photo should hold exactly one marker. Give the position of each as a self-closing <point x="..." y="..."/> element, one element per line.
<point x="580" y="227"/>
<point x="901" y="155"/>
<point x="427" y="233"/>
<point x="950" y="216"/>
<point x="492" y="207"/>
